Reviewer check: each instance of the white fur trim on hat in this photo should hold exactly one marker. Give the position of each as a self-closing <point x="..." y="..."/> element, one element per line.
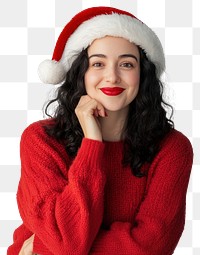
<point x="114" y="24"/>
<point x="120" y="26"/>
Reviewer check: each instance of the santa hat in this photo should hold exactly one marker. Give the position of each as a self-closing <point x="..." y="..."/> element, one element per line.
<point x="94" y="23"/>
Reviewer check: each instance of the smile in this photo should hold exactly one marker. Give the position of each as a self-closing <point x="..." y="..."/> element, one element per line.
<point x="112" y="91"/>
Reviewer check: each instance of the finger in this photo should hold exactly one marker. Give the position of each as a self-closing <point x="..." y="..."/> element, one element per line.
<point x="86" y="105"/>
<point x="97" y="108"/>
<point x="96" y="114"/>
<point x="27" y="246"/>
<point x="83" y="100"/>
<point x="101" y="110"/>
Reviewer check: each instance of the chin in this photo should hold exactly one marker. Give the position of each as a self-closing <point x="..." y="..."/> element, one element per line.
<point x="114" y="108"/>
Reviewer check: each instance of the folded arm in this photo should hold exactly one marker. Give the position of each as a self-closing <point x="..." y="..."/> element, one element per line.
<point x="161" y="217"/>
<point x="62" y="207"/>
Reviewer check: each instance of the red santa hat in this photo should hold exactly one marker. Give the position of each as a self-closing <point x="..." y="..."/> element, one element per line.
<point x="94" y="23"/>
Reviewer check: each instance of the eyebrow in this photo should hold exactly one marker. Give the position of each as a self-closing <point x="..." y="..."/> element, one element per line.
<point x="120" y="56"/>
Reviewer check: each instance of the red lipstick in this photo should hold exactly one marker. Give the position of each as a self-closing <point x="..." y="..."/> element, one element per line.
<point x="112" y="91"/>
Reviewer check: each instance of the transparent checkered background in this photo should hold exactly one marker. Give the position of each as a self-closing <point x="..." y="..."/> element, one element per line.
<point x="28" y="32"/>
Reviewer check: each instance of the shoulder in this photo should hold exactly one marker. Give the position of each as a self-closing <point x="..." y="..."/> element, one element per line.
<point x="174" y="159"/>
<point x="36" y="135"/>
<point x="37" y="128"/>
<point x="176" y="146"/>
<point x="175" y="140"/>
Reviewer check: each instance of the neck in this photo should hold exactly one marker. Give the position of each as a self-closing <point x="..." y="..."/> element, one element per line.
<point x="113" y="125"/>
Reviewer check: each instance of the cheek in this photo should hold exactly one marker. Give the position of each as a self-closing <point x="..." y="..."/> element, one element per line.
<point x="86" y="79"/>
<point x="91" y="80"/>
<point x="134" y="83"/>
<point x="133" y="80"/>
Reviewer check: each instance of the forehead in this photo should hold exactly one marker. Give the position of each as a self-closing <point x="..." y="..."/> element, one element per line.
<point x="110" y="45"/>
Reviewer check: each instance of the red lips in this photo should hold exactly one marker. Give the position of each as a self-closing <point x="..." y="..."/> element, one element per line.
<point x="112" y="91"/>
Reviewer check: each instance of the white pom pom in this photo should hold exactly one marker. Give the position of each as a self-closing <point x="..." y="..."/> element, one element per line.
<point x="51" y="72"/>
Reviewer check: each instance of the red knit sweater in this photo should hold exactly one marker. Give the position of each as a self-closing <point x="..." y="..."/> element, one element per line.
<point x="93" y="205"/>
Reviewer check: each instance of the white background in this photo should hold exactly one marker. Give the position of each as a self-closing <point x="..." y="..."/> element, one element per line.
<point x="28" y="32"/>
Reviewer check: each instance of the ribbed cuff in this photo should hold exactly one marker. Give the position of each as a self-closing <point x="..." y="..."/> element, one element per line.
<point x="89" y="160"/>
<point x="91" y="151"/>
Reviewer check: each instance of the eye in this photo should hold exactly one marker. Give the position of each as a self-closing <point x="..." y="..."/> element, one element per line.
<point x="127" y="65"/>
<point x="97" y="64"/>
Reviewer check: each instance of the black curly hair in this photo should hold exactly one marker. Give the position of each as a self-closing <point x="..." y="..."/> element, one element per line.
<point x="147" y="122"/>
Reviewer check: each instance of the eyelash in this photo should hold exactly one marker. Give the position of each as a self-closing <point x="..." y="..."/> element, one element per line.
<point x="97" y="64"/>
<point x="125" y="64"/>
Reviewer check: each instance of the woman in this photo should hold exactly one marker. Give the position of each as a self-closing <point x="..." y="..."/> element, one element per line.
<point x="108" y="174"/>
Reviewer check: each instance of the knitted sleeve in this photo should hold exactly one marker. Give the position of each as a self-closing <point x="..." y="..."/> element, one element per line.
<point x="62" y="205"/>
<point x="160" y="219"/>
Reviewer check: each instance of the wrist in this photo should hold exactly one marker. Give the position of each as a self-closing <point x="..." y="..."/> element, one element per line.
<point x="94" y="136"/>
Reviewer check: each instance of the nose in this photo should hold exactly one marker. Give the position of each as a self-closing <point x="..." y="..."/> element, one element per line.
<point x="112" y="75"/>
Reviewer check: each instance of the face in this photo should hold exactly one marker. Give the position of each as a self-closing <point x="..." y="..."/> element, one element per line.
<point x="113" y="75"/>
